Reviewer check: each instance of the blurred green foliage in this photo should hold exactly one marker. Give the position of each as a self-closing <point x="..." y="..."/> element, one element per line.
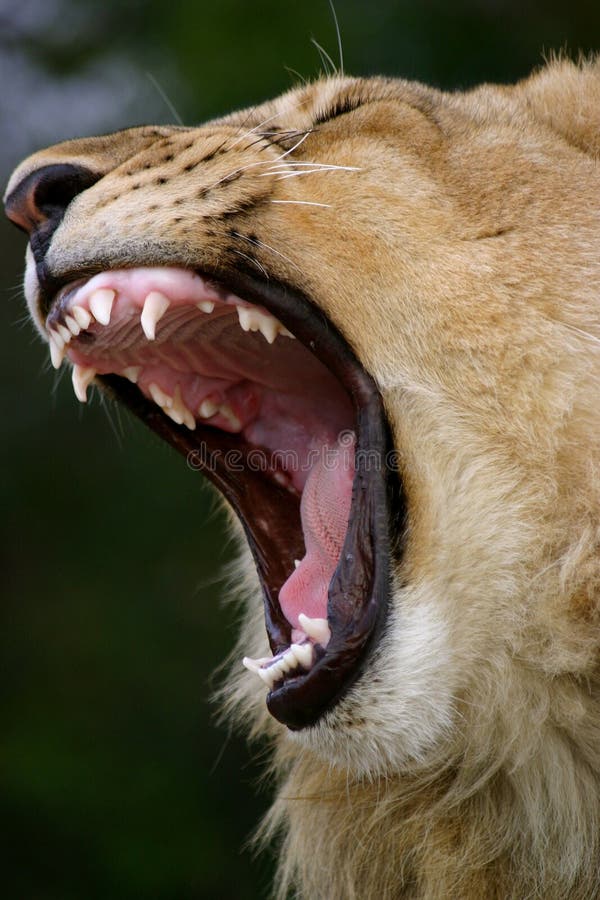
<point x="115" y="781"/>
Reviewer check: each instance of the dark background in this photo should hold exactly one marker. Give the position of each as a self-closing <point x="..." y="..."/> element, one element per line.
<point x="115" y="781"/>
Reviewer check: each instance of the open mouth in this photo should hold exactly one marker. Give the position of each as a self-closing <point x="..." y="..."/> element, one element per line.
<point x="254" y="385"/>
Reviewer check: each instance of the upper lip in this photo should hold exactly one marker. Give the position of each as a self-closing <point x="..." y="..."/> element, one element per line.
<point x="359" y="591"/>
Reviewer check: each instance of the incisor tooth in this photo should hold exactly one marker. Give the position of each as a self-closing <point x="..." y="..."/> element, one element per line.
<point x="72" y="325"/>
<point x="81" y="316"/>
<point x="132" y="373"/>
<point x="303" y="654"/>
<point x="64" y="333"/>
<point x="317" y="629"/>
<point x="155" y="306"/>
<point x="101" y="304"/>
<point x="206" y="306"/>
<point x="245" y="317"/>
<point x="81" y="379"/>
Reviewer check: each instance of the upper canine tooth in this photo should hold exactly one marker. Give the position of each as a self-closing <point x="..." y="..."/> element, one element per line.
<point x="101" y="304"/>
<point x="57" y="352"/>
<point x="72" y="325"/>
<point x="317" y="629"/>
<point x="64" y="333"/>
<point x="206" y="306"/>
<point x="155" y="306"/>
<point x="81" y="379"/>
<point x="81" y="316"/>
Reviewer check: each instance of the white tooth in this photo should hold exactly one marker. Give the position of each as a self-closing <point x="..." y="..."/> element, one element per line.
<point x="227" y="413"/>
<point x="182" y="411"/>
<point x="317" y="629"/>
<point x="81" y="316"/>
<point x="296" y="563"/>
<point x="266" y="676"/>
<point x="175" y="415"/>
<point x="132" y="373"/>
<point x="207" y="409"/>
<point x="160" y="398"/>
<point x="155" y="306"/>
<point x="206" y="306"/>
<point x="189" y="421"/>
<point x="281" y="329"/>
<point x="101" y="304"/>
<point x="303" y="653"/>
<point x="245" y="317"/>
<point x="57" y="354"/>
<point x="64" y="333"/>
<point x="72" y="325"/>
<point x="81" y="379"/>
<point x="57" y="339"/>
<point x="253" y="665"/>
<point x="267" y="326"/>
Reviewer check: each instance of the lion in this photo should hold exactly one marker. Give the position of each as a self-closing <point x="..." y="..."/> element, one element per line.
<point x="369" y="311"/>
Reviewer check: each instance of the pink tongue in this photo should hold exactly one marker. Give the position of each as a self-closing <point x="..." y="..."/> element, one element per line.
<point x="324" y="511"/>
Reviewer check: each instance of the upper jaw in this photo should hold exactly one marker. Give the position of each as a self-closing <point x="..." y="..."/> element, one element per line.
<point x="358" y="592"/>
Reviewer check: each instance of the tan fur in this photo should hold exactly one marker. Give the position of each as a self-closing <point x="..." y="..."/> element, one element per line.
<point x="461" y="260"/>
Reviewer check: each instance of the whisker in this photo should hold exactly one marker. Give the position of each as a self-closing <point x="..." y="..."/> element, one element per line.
<point x="581" y="331"/>
<point x="303" y="203"/>
<point x="258" y="243"/>
<point x="297" y="164"/>
<point x="325" y="58"/>
<point x="165" y="98"/>
<point x="339" y="36"/>
<point x="252" y="260"/>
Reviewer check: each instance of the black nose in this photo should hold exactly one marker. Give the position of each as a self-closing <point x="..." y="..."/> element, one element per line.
<point x="39" y="202"/>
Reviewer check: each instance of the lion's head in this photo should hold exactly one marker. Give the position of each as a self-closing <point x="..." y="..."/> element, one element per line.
<point x="369" y="311"/>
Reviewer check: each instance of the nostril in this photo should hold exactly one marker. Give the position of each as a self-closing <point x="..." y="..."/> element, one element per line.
<point x="44" y="195"/>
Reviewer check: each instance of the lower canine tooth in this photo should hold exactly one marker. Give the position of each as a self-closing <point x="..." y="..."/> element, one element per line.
<point x="81" y="379"/>
<point x="101" y="304"/>
<point x="317" y="629"/>
<point x="155" y="306"/>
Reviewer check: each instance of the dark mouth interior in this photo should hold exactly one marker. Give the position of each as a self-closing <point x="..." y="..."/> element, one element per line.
<point x="253" y="384"/>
